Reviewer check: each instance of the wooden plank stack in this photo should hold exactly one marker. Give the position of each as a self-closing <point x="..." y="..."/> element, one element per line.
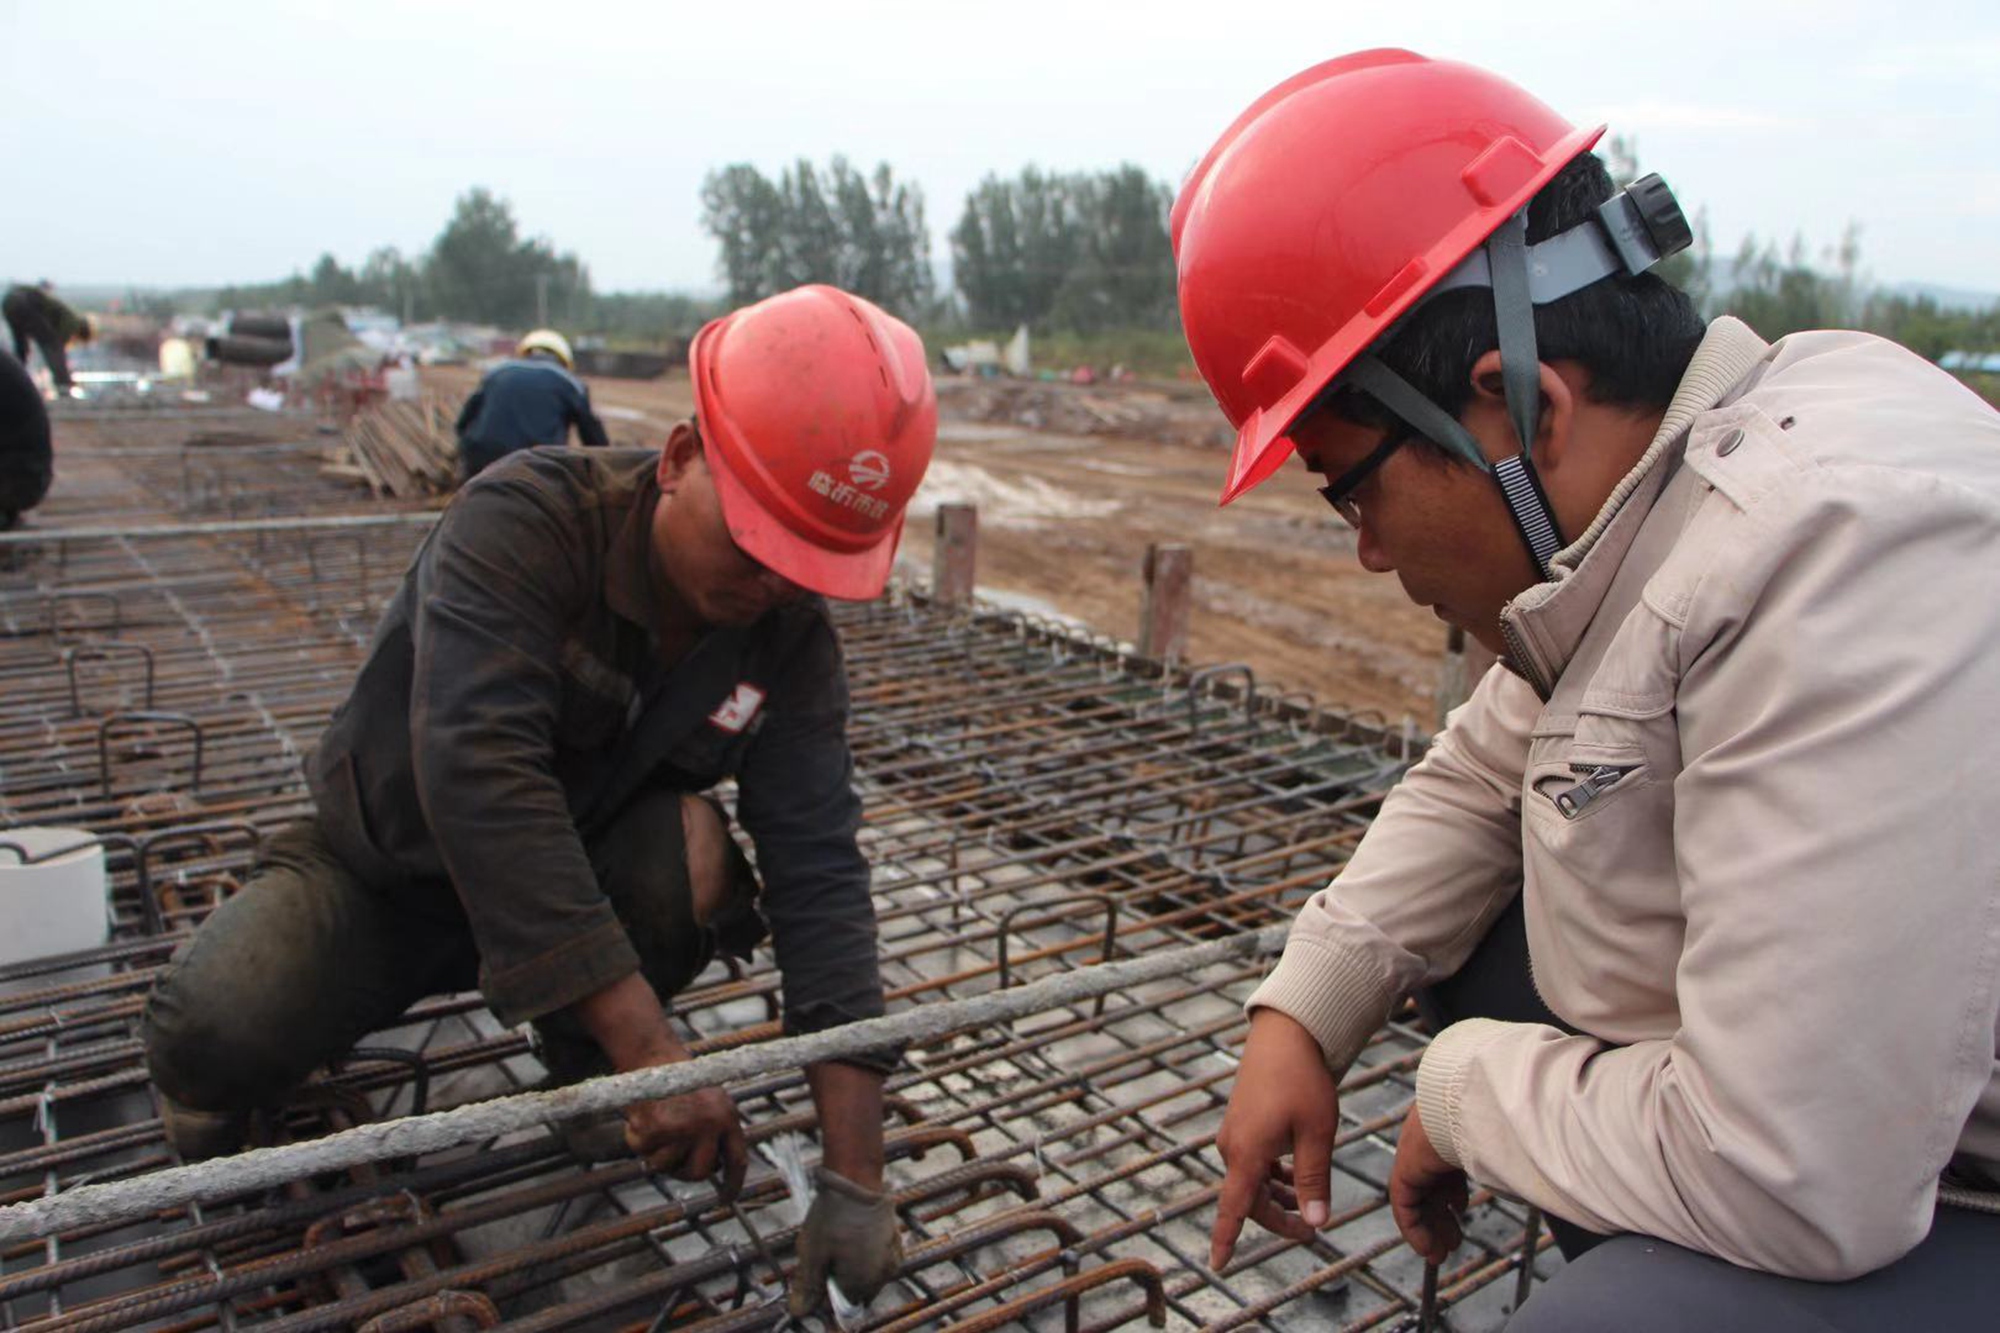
<point x="402" y="450"/>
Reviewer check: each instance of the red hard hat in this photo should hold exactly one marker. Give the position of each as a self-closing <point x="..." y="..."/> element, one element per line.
<point x="1329" y="208"/>
<point x="819" y="418"/>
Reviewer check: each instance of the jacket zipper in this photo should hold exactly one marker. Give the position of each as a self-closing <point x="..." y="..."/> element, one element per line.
<point x="1597" y="780"/>
<point x="1517" y="653"/>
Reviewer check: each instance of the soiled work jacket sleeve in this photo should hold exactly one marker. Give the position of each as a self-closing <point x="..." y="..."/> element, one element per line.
<point x="798" y="804"/>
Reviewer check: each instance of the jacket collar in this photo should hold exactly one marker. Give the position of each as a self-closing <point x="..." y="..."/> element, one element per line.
<point x="1544" y="624"/>
<point x="628" y="565"/>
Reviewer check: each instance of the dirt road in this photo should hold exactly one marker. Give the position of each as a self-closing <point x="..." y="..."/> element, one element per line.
<point x="1065" y="520"/>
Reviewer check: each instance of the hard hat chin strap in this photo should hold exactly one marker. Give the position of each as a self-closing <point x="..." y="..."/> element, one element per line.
<point x="1520" y="487"/>
<point x="1505" y="260"/>
<point x="1521" y="379"/>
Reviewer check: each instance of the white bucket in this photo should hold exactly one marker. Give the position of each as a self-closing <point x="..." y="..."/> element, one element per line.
<point x="52" y="901"/>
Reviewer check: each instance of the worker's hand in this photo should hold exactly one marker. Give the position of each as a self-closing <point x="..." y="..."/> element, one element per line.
<point x="691" y="1137"/>
<point x="1285" y="1101"/>
<point x="1426" y="1193"/>
<point x="850" y="1233"/>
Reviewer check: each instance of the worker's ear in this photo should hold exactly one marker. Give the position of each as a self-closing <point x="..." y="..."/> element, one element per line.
<point x="1486" y="415"/>
<point x="683" y="448"/>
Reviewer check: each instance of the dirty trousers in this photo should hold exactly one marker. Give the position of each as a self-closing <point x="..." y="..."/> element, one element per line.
<point x="308" y="958"/>
<point x="1637" y="1284"/>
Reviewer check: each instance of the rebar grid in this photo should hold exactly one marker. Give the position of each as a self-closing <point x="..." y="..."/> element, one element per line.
<point x="1035" y="800"/>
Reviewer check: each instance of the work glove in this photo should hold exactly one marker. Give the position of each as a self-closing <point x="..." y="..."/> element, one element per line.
<point x="850" y="1232"/>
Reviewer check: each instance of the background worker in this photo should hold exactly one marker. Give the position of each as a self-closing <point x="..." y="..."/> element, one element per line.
<point x="509" y="796"/>
<point x="34" y="315"/>
<point x="26" y="459"/>
<point x="1731" y="793"/>
<point x="530" y="400"/>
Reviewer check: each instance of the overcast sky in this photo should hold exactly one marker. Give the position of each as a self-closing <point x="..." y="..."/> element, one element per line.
<point x="218" y="142"/>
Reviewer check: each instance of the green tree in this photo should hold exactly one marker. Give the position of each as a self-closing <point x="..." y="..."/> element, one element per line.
<point x="886" y="244"/>
<point x="1122" y="273"/>
<point x="472" y="270"/>
<point x="862" y="233"/>
<point x="331" y="284"/>
<point x="1930" y="330"/>
<point x="393" y="283"/>
<point x="1079" y="252"/>
<point x="745" y="213"/>
<point x="1777" y="295"/>
<point x="480" y="269"/>
<point x="1013" y="248"/>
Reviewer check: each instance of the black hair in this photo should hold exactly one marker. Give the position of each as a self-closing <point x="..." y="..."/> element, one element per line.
<point x="1634" y="335"/>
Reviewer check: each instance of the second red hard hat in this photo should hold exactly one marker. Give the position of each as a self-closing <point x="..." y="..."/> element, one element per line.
<point x="819" y="418"/>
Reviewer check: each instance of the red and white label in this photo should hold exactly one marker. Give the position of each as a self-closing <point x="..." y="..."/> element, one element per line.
<point x="737" y="710"/>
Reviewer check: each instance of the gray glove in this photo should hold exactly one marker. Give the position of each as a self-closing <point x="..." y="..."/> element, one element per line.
<point x="851" y="1233"/>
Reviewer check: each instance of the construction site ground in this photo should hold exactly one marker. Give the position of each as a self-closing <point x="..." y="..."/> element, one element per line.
<point x="1072" y="483"/>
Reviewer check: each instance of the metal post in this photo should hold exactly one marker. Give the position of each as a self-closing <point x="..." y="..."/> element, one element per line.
<point x="952" y="554"/>
<point x="1165" y="614"/>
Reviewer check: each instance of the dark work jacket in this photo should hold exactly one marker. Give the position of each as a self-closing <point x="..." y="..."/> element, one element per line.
<point x="26" y="460"/>
<point x="520" y="404"/>
<point x="40" y="315"/>
<point x="512" y="703"/>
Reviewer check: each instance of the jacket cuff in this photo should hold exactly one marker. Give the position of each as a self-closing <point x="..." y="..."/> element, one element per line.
<point x="557" y="978"/>
<point x="1340" y="995"/>
<point x="1441" y="1079"/>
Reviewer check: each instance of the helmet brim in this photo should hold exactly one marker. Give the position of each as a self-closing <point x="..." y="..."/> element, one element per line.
<point x="851" y="576"/>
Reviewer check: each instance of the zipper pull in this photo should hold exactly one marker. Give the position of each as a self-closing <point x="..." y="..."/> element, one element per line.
<point x="1597" y="779"/>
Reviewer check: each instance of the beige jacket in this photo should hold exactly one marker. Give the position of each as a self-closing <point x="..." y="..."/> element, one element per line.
<point x="1749" y="782"/>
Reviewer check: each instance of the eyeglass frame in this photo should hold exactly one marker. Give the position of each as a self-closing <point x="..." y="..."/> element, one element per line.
<point x="1340" y="491"/>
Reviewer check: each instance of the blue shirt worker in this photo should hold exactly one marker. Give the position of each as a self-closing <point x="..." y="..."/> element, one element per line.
<point x="533" y="399"/>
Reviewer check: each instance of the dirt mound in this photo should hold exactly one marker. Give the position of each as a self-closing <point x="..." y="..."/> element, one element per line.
<point x="1140" y="412"/>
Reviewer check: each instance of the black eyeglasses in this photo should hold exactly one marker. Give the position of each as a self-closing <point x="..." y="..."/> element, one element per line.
<point x="1340" y="491"/>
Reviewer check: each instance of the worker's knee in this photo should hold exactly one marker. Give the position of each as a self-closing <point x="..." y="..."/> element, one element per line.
<point x="283" y="976"/>
<point x="211" y="1045"/>
<point x="680" y="885"/>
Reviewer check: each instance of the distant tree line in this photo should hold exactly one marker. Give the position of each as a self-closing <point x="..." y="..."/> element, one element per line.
<point x="1076" y="254"/>
<point x="1779" y="291"/>
<point x="479" y="270"/>
<point x="1081" y="252"/>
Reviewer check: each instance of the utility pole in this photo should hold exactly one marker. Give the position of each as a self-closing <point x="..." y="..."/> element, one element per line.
<point x="541" y="300"/>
